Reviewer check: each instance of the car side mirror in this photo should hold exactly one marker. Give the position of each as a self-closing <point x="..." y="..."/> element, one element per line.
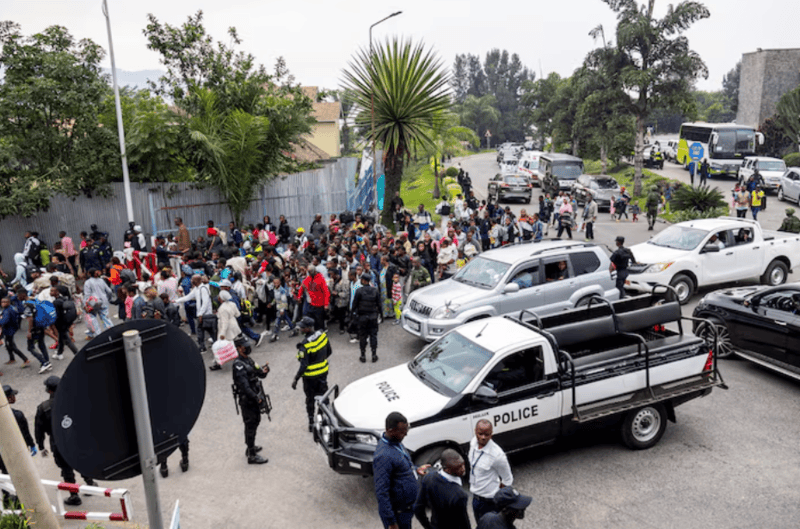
<point x="710" y="248"/>
<point x="510" y="288"/>
<point x="485" y="394"/>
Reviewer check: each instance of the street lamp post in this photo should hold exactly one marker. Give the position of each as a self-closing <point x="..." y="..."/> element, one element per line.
<point x="372" y="107"/>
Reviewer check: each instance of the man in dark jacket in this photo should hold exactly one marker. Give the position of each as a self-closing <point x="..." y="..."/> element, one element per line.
<point x="366" y="307"/>
<point x="442" y="493"/>
<point x="511" y="505"/>
<point x="246" y="375"/>
<point x="284" y="231"/>
<point x="393" y="471"/>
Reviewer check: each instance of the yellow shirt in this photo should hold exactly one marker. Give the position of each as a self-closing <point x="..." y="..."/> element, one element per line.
<point x="756" y="200"/>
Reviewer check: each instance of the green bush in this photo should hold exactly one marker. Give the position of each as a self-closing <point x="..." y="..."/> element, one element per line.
<point x="792" y="159"/>
<point x="683" y="216"/>
<point x="451" y="171"/>
<point x="449" y="180"/>
<point x="13" y="521"/>
<point x="700" y="199"/>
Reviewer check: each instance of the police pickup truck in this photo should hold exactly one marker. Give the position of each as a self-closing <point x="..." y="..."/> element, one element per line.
<point x="536" y="379"/>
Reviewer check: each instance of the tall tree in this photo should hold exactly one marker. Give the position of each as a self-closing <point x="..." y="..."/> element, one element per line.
<point x="538" y="103"/>
<point x="230" y="99"/>
<point x="479" y="114"/>
<point x="788" y="115"/>
<point x="730" y="86"/>
<point x="660" y="69"/>
<point x="505" y="75"/>
<point x="410" y="90"/>
<point x="49" y="135"/>
<point x="468" y="78"/>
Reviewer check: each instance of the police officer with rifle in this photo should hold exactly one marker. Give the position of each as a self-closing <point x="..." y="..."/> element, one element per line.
<point x="249" y="394"/>
<point x="312" y="353"/>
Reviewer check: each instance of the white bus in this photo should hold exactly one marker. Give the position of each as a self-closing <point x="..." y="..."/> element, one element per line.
<point x="724" y="145"/>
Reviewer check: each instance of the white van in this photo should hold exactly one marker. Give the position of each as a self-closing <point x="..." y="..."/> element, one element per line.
<point x="529" y="166"/>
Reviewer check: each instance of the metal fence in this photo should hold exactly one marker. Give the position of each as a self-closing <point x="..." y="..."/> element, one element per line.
<point x="297" y="196"/>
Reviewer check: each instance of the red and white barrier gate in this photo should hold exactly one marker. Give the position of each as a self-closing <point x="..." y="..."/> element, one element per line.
<point x="122" y="495"/>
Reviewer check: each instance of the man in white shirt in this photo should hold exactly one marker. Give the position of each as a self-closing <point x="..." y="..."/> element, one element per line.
<point x="207" y="320"/>
<point x="447" y="259"/>
<point x="489" y="469"/>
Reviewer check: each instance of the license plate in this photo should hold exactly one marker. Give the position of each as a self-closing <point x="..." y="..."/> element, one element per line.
<point x="414" y="325"/>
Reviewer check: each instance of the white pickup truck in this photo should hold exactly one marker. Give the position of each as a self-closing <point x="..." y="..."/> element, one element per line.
<point x="536" y="379"/>
<point x="706" y="252"/>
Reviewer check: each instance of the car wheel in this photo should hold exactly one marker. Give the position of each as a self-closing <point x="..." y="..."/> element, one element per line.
<point x="776" y="274"/>
<point x="724" y="346"/>
<point x="781" y="197"/>
<point x="528" y="200"/>
<point x="643" y="428"/>
<point x="684" y="287"/>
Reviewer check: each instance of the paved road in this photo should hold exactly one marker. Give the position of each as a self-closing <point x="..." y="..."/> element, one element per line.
<point x="730" y="461"/>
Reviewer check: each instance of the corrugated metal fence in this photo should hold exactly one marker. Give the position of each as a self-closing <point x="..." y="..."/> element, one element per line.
<point x="298" y="197"/>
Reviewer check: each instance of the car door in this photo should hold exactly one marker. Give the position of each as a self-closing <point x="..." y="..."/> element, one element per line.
<point x="717" y="266"/>
<point x="530" y="295"/>
<point x="558" y="284"/>
<point x="793" y="186"/>
<point x="766" y="324"/>
<point x="527" y="410"/>
<point x="745" y="254"/>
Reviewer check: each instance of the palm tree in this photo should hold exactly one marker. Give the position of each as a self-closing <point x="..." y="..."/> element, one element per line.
<point x="409" y="85"/>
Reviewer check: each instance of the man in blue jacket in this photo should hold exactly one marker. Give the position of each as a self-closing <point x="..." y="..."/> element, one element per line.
<point x="395" y="475"/>
<point x="443" y="493"/>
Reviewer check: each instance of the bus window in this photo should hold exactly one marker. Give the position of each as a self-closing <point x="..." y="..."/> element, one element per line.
<point x="745" y="141"/>
<point x="726" y="144"/>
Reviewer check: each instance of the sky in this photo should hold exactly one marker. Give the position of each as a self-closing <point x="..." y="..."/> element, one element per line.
<point x="317" y="38"/>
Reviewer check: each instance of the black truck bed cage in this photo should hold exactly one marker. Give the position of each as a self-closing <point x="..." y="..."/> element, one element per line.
<point x="632" y="330"/>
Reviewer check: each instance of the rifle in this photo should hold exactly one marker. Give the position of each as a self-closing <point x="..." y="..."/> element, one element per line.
<point x="265" y="405"/>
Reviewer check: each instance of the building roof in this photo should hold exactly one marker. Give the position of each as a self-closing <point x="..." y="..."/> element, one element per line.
<point x="305" y="151"/>
<point x="325" y="112"/>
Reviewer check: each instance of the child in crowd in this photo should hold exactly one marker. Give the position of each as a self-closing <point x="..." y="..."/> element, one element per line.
<point x="397" y="298"/>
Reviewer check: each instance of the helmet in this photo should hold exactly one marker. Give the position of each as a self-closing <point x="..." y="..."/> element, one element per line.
<point x="52" y="383"/>
<point x="243" y="341"/>
<point x="306" y="323"/>
<point x="790" y="211"/>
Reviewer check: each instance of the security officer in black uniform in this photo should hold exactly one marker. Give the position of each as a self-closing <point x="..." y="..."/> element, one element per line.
<point x="366" y="307"/>
<point x="22" y="422"/>
<point x="620" y="260"/>
<point x="245" y="378"/>
<point x="312" y="353"/>
<point x="43" y="424"/>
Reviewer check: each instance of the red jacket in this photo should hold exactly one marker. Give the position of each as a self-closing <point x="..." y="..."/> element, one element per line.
<point x="317" y="289"/>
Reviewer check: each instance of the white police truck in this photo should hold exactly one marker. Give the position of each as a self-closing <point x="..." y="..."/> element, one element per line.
<point x="536" y="379"/>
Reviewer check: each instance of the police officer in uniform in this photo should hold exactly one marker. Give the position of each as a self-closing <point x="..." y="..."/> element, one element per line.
<point x="245" y="378"/>
<point x="620" y="260"/>
<point x="43" y="424"/>
<point x="312" y="353"/>
<point x="366" y="307"/>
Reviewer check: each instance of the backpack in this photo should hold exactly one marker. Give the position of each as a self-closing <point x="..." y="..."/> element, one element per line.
<point x="70" y="312"/>
<point x="45" y="314"/>
<point x="29" y="270"/>
<point x="128" y="276"/>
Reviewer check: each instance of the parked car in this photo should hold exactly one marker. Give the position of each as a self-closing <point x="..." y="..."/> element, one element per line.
<point x="770" y="169"/>
<point x="705" y="252"/>
<point x="759" y="323"/>
<point x="536" y="380"/>
<point x="601" y="188"/>
<point x="790" y="185"/>
<point x="558" y="172"/>
<point x="671" y="151"/>
<point x="509" y="279"/>
<point x="506" y="186"/>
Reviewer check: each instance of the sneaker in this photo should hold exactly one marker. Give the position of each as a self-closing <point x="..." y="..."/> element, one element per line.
<point x="59" y="357"/>
<point x="211" y="340"/>
<point x="295" y="331"/>
<point x="54" y="346"/>
<point x="45" y="367"/>
<point x="25" y="364"/>
<point x="396" y="322"/>
<point x="10" y="362"/>
<point x="214" y="367"/>
<point x="203" y="350"/>
<point x="285" y="327"/>
<point x="353" y="340"/>
<point x="273" y="339"/>
<point x="261" y="338"/>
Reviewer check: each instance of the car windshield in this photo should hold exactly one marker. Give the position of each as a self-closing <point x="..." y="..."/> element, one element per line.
<point x="606" y="183"/>
<point x="567" y="170"/>
<point x="515" y="180"/>
<point x="450" y="363"/>
<point x="679" y="238"/>
<point x="482" y="272"/>
<point x="772" y="166"/>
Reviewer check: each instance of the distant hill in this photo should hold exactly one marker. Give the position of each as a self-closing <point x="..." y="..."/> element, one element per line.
<point x="136" y="79"/>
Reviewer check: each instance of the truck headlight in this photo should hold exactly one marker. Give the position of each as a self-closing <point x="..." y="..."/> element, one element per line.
<point x="658" y="267"/>
<point x="447" y="312"/>
<point x="363" y="438"/>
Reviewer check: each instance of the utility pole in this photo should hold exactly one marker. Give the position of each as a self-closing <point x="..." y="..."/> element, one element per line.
<point x="120" y="129"/>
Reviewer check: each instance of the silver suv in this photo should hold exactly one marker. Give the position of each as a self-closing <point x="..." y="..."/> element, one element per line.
<point x="544" y="277"/>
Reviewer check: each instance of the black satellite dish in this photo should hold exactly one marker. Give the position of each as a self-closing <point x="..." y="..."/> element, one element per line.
<point x="93" y="424"/>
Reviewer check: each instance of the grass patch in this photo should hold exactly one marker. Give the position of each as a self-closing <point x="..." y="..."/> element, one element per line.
<point x="417" y="188"/>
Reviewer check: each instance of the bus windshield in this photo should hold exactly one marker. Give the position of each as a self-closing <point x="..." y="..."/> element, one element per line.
<point x="735" y="143"/>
